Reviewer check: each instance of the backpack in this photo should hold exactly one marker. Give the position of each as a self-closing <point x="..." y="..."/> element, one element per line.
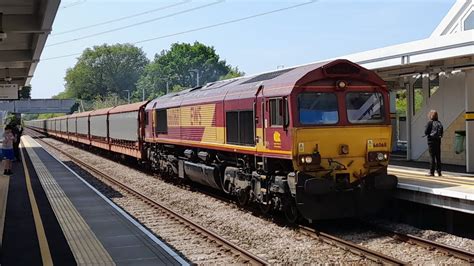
<point x="436" y="130"/>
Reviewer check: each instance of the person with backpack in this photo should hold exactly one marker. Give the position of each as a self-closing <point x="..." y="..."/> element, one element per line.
<point x="17" y="131"/>
<point x="434" y="133"/>
<point x="7" y="150"/>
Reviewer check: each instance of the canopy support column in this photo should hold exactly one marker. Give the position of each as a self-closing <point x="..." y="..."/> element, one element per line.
<point x="469" y="88"/>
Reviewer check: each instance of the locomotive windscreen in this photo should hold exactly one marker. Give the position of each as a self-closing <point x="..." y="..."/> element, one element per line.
<point x="365" y="107"/>
<point x="317" y="108"/>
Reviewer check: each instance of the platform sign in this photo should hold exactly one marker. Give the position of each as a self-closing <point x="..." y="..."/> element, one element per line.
<point x="8" y="91"/>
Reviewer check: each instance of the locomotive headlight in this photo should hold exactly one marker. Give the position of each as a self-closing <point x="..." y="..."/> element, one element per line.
<point x="381" y="156"/>
<point x="344" y="149"/>
<point x="310" y="159"/>
<point x="378" y="156"/>
<point x="341" y="84"/>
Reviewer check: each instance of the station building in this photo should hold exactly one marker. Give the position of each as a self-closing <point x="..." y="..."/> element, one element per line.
<point x="433" y="73"/>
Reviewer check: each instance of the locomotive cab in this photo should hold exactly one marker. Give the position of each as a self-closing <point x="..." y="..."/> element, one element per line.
<point x="341" y="144"/>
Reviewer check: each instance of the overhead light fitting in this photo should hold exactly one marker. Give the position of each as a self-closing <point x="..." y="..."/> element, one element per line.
<point x="433" y="76"/>
<point x="7" y="78"/>
<point x="457" y="71"/>
<point x="3" y="35"/>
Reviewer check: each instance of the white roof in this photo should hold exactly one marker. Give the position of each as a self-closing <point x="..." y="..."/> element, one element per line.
<point x="449" y="40"/>
<point x="453" y="21"/>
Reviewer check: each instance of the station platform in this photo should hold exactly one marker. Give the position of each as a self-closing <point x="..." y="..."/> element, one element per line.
<point x="452" y="191"/>
<point x="50" y="215"/>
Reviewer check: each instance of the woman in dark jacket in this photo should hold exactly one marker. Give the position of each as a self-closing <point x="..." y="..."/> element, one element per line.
<point x="434" y="133"/>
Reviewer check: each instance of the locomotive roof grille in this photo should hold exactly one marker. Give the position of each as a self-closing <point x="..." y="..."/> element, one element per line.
<point x="267" y="76"/>
<point x="223" y="83"/>
<point x="342" y="69"/>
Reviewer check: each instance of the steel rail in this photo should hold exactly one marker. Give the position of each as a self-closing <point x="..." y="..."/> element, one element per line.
<point x="251" y="258"/>
<point x="352" y="247"/>
<point x="449" y="250"/>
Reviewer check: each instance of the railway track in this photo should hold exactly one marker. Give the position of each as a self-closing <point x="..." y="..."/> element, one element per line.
<point x="196" y="236"/>
<point x="322" y="236"/>
<point x="349" y="246"/>
<point x="449" y="250"/>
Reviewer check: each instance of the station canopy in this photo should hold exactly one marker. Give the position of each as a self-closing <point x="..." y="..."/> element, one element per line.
<point x="24" y="28"/>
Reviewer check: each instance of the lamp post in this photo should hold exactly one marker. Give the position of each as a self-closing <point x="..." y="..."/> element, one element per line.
<point x="128" y="95"/>
<point x="168" y="79"/>
<point x="197" y="75"/>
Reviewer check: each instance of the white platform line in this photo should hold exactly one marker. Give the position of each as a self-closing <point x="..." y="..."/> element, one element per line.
<point x="163" y="245"/>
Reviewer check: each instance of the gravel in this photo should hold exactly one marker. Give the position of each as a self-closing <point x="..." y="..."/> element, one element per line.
<point x="275" y="243"/>
<point x="440" y="237"/>
<point x="404" y="251"/>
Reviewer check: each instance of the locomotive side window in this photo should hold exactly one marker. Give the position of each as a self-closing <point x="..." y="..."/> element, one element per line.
<point x="240" y="128"/>
<point x="162" y="121"/>
<point x="365" y="107"/>
<point x="276" y="112"/>
<point x="318" y="108"/>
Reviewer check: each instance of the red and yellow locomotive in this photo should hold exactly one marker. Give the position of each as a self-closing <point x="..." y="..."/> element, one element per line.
<point x="312" y="140"/>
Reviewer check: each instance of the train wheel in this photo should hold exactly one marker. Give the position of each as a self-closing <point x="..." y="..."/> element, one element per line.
<point x="291" y="212"/>
<point x="243" y="197"/>
<point x="266" y="207"/>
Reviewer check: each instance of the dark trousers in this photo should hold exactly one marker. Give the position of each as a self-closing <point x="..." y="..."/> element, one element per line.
<point x="16" y="150"/>
<point x="434" y="146"/>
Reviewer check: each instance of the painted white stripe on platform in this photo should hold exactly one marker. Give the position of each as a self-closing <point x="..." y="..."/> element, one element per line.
<point x="437" y="191"/>
<point x="163" y="245"/>
<point x="84" y="244"/>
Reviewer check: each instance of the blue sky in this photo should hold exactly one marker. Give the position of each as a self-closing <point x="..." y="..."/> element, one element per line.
<point x="323" y="29"/>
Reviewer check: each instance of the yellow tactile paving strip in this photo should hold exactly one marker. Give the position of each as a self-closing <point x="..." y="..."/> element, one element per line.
<point x="40" y="233"/>
<point x="85" y="246"/>
<point x="447" y="178"/>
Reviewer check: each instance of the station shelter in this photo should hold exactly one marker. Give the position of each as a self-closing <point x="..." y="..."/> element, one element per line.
<point x="24" y="29"/>
<point x="436" y="73"/>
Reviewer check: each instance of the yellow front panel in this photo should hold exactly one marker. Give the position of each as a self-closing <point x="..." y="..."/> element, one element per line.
<point x="328" y="140"/>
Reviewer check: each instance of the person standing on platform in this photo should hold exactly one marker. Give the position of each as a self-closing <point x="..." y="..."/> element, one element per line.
<point x="17" y="131"/>
<point x="434" y="133"/>
<point x="7" y="150"/>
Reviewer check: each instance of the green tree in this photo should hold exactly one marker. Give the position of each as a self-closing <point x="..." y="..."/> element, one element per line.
<point x="108" y="101"/>
<point x="233" y="73"/>
<point x="24" y="92"/>
<point x="104" y="70"/>
<point x="401" y="102"/>
<point x="49" y="115"/>
<point x="176" y="68"/>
